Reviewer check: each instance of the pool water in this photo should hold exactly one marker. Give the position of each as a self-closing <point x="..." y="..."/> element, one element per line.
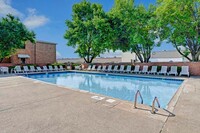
<point x="117" y="86"/>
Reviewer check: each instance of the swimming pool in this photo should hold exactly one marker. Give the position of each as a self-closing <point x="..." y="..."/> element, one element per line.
<point x="117" y="86"/>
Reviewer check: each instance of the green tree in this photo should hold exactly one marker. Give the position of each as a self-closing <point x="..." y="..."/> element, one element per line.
<point x="134" y="28"/>
<point x="145" y="35"/>
<point x="121" y="24"/>
<point x="13" y="35"/>
<point x="179" y="21"/>
<point x="87" y="31"/>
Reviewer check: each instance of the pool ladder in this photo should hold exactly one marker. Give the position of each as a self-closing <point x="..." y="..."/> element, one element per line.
<point x="136" y="97"/>
<point x="153" y="110"/>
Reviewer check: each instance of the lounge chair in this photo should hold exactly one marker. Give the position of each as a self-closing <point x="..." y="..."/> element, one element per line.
<point x="4" y="70"/>
<point x="51" y="68"/>
<point x="128" y="69"/>
<point x="68" y="67"/>
<point x="115" y="69"/>
<point x="153" y="70"/>
<point x="136" y="69"/>
<point x="32" y="69"/>
<point x="184" y="71"/>
<point x="77" y="68"/>
<point x="163" y="70"/>
<point x="103" y="69"/>
<point x="56" y="68"/>
<point x="45" y="68"/>
<point x="93" y="68"/>
<point x="109" y="68"/>
<point x="173" y="71"/>
<point x="61" y="68"/>
<point x="18" y="69"/>
<point x="99" y="68"/>
<point x="89" y="68"/>
<point x="39" y="69"/>
<point x="26" y="69"/>
<point x="144" y="70"/>
<point x="121" y="69"/>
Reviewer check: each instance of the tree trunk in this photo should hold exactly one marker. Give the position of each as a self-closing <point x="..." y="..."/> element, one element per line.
<point x="147" y="53"/>
<point x="181" y="52"/>
<point x="88" y="59"/>
<point x="195" y="57"/>
<point x="139" y="56"/>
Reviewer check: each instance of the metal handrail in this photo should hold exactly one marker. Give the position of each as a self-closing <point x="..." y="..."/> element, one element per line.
<point x="136" y="97"/>
<point x="153" y="111"/>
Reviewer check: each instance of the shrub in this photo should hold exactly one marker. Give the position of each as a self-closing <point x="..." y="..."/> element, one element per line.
<point x="158" y="68"/>
<point x="57" y="64"/>
<point x="179" y="69"/>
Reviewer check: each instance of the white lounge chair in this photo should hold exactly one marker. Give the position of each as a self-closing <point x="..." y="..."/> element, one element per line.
<point x="153" y="70"/>
<point x="45" y="68"/>
<point x="56" y="68"/>
<point x="136" y="69"/>
<point x="61" y="68"/>
<point x="68" y="67"/>
<point x="39" y="69"/>
<point x="184" y="71"/>
<point x="4" y="70"/>
<point x="99" y="68"/>
<point x="109" y="68"/>
<point x="77" y="68"/>
<point x="18" y="69"/>
<point x="115" y="69"/>
<point x="26" y="69"/>
<point x="89" y="68"/>
<point x="103" y="69"/>
<point x="163" y="70"/>
<point x="93" y="68"/>
<point x="128" y="69"/>
<point x="144" y="70"/>
<point x="32" y="69"/>
<point x="51" y="68"/>
<point x="121" y="69"/>
<point x="173" y="71"/>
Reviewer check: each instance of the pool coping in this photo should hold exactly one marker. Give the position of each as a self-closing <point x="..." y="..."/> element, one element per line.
<point x="163" y="77"/>
<point x="170" y="106"/>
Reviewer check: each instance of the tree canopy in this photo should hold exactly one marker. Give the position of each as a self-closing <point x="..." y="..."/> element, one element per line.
<point x="121" y="24"/>
<point x="87" y="31"/>
<point x="13" y="35"/>
<point x="145" y="35"/>
<point x="134" y="28"/>
<point x="179" y="21"/>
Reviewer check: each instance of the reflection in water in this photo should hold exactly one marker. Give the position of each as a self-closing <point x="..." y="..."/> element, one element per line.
<point x="115" y="86"/>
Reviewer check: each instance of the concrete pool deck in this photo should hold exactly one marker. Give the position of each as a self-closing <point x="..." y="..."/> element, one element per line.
<point x="28" y="106"/>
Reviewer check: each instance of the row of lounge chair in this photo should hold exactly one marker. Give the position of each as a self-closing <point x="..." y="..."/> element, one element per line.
<point x="25" y="69"/>
<point x="145" y="70"/>
<point x="4" y="70"/>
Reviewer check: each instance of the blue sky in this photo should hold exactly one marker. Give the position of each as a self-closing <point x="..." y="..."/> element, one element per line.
<point x="47" y="19"/>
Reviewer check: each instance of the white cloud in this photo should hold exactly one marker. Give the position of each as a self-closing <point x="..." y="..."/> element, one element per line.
<point x="6" y="8"/>
<point x="33" y="20"/>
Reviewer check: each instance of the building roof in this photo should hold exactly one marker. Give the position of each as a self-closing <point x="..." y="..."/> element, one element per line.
<point x="166" y="54"/>
<point x="46" y="42"/>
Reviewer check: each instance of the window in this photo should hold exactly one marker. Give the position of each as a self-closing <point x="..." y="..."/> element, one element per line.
<point x="23" y="60"/>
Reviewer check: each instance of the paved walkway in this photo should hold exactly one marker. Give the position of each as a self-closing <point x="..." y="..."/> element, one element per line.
<point x="187" y="110"/>
<point x="28" y="106"/>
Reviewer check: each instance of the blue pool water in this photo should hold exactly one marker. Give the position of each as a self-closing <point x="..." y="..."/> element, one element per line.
<point x="121" y="87"/>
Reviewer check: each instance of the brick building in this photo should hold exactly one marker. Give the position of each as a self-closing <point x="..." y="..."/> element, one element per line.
<point x="39" y="53"/>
